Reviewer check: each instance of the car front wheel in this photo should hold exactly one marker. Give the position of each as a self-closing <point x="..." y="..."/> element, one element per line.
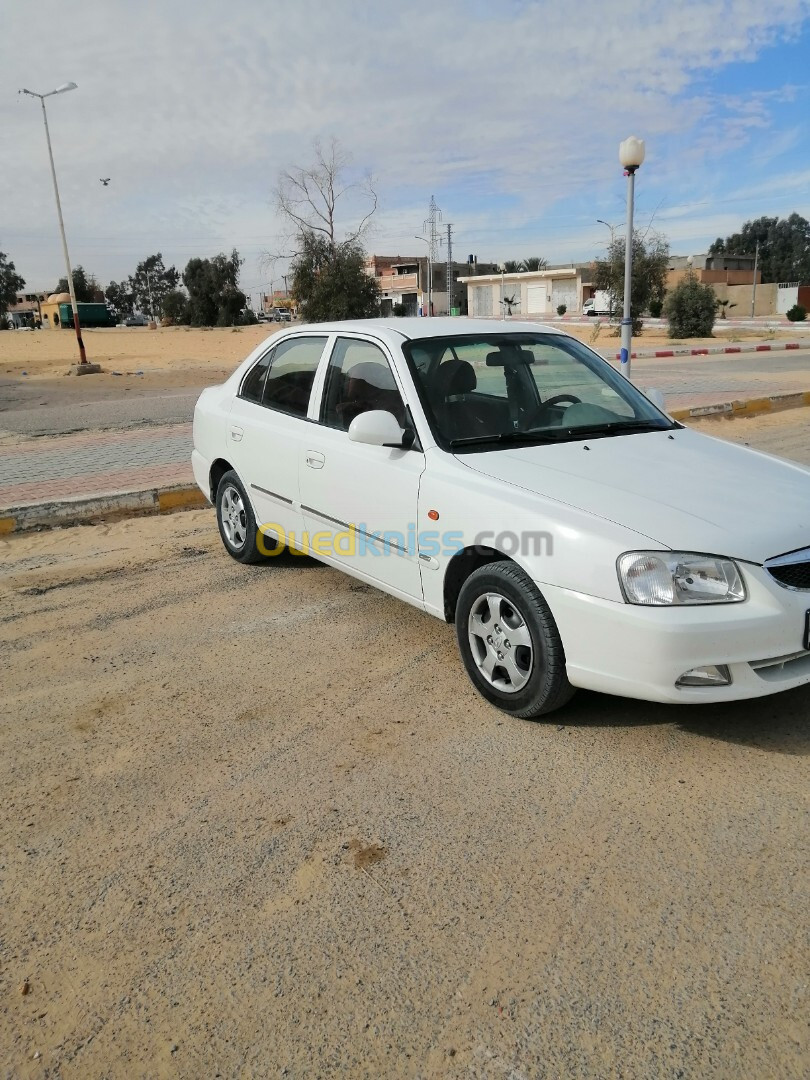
<point x="509" y="642"/>
<point x="236" y="521"/>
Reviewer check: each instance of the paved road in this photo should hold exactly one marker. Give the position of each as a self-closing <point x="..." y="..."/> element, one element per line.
<point x="725" y="377"/>
<point x="60" y="406"/>
<point x="256" y="822"/>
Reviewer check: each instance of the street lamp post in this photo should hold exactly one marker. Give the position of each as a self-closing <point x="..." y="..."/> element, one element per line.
<point x="61" y="90"/>
<point x="612" y="228"/>
<point x="631" y="156"/>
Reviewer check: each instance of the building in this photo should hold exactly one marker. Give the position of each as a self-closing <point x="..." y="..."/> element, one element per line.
<point x="403" y="280"/>
<point x="533" y="293"/>
<point x="25" y="311"/>
<point x="276" y="299"/>
<point x="57" y="313"/>
<point x="732" y="279"/>
<point x="713" y="269"/>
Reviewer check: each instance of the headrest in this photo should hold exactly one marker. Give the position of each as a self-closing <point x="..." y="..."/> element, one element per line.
<point x="455" y="377"/>
<point x="377" y="375"/>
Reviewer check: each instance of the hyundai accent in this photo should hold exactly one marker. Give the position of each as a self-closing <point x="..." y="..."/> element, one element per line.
<point x="506" y="478"/>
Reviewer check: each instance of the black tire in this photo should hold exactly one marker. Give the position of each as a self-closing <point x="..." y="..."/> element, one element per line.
<point x="237" y="522"/>
<point x="532" y="679"/>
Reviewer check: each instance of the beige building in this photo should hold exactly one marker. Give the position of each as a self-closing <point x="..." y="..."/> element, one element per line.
<point x="534" y="293"/>
<point x="50" y="310"/>
<point x="25" y="311"/>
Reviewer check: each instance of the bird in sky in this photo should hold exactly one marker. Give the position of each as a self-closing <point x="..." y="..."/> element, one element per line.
<point x="105" y="182"/>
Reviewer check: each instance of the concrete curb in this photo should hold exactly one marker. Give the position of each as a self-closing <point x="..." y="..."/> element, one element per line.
<point x="713" y="350"/>
<point x="100" y="508"/>
<point x="730" y="410"/>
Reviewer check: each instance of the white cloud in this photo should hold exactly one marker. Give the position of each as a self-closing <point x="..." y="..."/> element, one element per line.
<point x="504" y="109"/>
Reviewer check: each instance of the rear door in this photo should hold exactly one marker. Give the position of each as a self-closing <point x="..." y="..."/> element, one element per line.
<point x="267" y="428"/>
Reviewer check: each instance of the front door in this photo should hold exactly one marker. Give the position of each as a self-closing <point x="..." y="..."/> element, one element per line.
<point x="358" y="501"/>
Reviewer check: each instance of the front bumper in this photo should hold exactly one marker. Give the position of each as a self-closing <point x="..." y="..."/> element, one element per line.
<point x="641" y="652"/>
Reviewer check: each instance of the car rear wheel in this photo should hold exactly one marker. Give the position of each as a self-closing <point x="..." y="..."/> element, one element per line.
<point x="237" y="522"/>
<point x="509" y="642"/>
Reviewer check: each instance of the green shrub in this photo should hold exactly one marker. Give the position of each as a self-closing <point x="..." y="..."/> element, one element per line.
<point x="399" y="310"/>
<point x="561" y="309"/>
<point x="797" y="313"/>
<point x="656" y="307"/>
<point x="690" y="309"/>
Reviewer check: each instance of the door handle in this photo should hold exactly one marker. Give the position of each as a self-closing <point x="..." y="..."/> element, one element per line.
<point x="237" y="433"/>
<point x="314" y="459"/>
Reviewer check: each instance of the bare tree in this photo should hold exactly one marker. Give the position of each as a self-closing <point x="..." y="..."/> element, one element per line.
<point x="308" y="197"/>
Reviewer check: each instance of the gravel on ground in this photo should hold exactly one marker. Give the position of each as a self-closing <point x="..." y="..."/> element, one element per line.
<point x="256" y="822"/>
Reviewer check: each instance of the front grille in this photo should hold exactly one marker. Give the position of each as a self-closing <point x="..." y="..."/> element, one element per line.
<point x="792" y="571"/>
<point x="782" y="668"/>
<point x="795" y="577"/>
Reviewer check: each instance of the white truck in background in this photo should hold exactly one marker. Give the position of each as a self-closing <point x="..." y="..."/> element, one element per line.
<point x="598" y="304"/>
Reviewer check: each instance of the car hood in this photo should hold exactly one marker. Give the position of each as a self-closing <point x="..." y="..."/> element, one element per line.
<point x="685" y="491"/>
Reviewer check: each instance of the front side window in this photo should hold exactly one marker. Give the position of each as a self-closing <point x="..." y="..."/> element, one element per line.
<point x="359" y="379"/>
<point x="523" y="387"/>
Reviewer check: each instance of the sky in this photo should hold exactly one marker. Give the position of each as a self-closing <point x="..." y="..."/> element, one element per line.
<point x="509" y="112"/>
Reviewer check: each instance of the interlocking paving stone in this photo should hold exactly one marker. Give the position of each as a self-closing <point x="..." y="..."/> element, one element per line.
<point x="95" y="463"/>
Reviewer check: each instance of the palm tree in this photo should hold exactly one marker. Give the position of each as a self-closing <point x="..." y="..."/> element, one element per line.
<point x="523" y="266"/>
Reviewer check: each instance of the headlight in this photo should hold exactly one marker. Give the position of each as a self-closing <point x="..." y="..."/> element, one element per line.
<point x="663" y="578"/>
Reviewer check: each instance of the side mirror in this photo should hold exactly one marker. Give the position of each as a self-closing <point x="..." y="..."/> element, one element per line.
<point x="380" y="428"/>
<point x="656" y="397"/>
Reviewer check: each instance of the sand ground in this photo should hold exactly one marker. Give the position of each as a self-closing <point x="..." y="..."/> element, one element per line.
<point x="256" y="822"/>
<point x="180" y="356"/>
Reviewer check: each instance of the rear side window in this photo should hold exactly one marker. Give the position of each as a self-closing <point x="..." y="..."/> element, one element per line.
<point x="253" y="384"/>
<point x="288" y="383"/>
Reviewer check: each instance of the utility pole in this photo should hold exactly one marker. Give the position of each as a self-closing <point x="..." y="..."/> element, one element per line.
<point x="449" y="268"/>
<point x="151" y="300"/>
<point x="754" y="290"/>
<point x="429" y="227"/>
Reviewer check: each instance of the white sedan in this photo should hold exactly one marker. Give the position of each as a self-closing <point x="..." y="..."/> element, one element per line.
<point x="509" y="480"/>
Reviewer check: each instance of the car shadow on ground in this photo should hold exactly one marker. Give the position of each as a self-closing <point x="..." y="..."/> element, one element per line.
<point x="286" y="561"/>
<point x="779" y="723"/>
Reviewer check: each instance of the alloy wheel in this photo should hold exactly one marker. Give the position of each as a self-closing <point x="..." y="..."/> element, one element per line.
<point x="233" y="517"/>
<point x="500" y="642"/>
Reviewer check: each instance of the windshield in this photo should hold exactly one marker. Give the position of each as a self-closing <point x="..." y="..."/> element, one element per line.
<point x="523" y="387"/>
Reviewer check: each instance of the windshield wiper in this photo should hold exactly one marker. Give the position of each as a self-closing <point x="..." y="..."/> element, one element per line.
<point x="505" y="437"/>
<point x="562" y="434"/>
<point x="614" y="427"/>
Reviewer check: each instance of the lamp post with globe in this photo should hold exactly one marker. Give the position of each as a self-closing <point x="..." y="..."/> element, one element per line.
<point x="631" y="156"/>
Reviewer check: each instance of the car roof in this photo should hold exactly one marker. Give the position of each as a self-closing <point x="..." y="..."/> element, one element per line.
<point x="416" y="328"/>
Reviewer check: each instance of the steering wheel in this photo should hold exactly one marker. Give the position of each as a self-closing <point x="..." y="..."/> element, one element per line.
<point x="538" y="414"/>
